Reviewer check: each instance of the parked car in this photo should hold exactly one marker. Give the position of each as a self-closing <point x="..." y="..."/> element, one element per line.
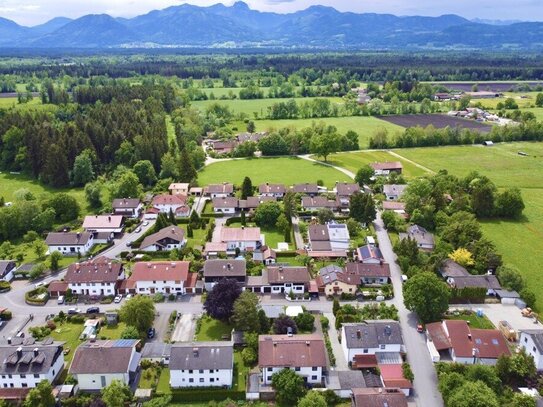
<point x="93" y="310"/>
<point x="60" y="300"/>
<point x="128" y="244"/>
<point x="290" y="332"/>
<point x="138" y="230"/>
<point x="151" y="333"/>
<point x="145" y="223"/>
<point x="74" y="311"/>
<point x="40" y="284"/>
<point x="118" y="299"/>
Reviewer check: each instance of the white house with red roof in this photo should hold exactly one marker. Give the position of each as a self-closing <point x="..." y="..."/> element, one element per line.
<point x="177" y="204"/>
<point x="166" y="277"/>
<point x="103" y="223"/>
<point x="244" y="239"/>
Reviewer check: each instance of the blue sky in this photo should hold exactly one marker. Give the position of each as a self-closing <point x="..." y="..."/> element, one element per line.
<point x="31" y="12"/>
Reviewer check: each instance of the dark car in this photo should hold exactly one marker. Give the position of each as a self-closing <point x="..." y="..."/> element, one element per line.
<point x="93" y="310"/>
<point x="151" y="333"/>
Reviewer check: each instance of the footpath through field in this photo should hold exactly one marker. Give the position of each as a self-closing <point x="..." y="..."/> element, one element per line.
<point x="401" y="157"/>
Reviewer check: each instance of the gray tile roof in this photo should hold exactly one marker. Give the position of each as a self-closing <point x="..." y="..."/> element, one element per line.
<point x="225" y="268"/>
<point x="155" y="350"/>
<point x="537" y="337"/>
<point x="66" y="238"/>
<point x="371" y="334"/>
<point x="202" y="355"/>
<point x="34" y="358"/>
<point x="110" y="356"/>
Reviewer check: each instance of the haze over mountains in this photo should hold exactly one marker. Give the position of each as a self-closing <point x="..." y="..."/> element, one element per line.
<point x="239" y="26"/>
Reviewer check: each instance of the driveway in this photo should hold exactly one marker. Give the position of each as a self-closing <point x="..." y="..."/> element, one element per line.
<point x="341" y="362"/>
<point x="503" y="312"/>
<point x="297" y="235"/>
<point x="426" y="392"/>
<point x="184" y="329"/>
<point x="219" y="224"/>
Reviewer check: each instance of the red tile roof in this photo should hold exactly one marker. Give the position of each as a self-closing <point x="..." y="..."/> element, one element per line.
<point x="392" y="376"/>
<point x="364" y="361"/>
<point x="438" y="336"/>
<point x="90" y="272"/>
<point x="102" y="221"/>
<point x="167" y="199"/>
<point x="368" y="270"/>
<point x="393" y="165"/>
<point x="291" y="351"/>
<point x="280" y="275"/>
<point x="240" y="234"/>
<point x="161" y="271"/>
<point x="378" y="397"/>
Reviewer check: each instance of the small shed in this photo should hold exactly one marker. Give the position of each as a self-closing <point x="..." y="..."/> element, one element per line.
<point x="112" y="318"/>
<point x="294" y="310"/>
<point x="143" y="394"/>
<point x="488" y="143"/>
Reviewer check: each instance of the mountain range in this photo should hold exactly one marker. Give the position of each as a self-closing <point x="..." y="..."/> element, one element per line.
<point x="238" y="26"/>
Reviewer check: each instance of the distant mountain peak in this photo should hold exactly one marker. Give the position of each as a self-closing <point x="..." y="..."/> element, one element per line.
<point x="319" y="27"/>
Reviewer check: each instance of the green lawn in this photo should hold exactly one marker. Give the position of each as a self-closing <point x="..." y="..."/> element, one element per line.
<point x="240" y="373"/>
<point x="252" y="106"/>
<point x="524" y="102"/>
<point x="365" y="126"/>
<point x="474" y="321"/>
<point x="285" y="170"/>
<point x="10" y="183"/>
<point x="198" y="239"/>
<point x="272" y="236"/>
<point x="212" y="329"/>
<point x="537" y="111"/>
<point x="163" y="385"/>
<point x="6" y="103"/>
<point x="353" y="161"/>
<point x="170" y="128"/>
<point x="519" y="242"/>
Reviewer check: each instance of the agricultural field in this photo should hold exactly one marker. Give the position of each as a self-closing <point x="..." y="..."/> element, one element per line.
<point x="537" y="111"/>
<point x="352" y="161"/>
<point x="519" y="242"/>
<point x="285" y="170"/>
<point x="6" y="103"/>
<point x="252" y="107"/>
<point x="523" y="100"/>
<point x="439" y="121"/>
<point x="365" y="126"/>
<point x="495" y="86"/>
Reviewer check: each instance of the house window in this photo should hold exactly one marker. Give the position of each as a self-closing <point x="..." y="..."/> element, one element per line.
<point x="383" y="346"/>
<point x="525" y="339"/>
<point x="201" y="371"/>
<point x="533" y="349"/>
<point x="191" y="380"/>
<point x="212" y="379"/>
<point x="365" y="351"/>
<point x="313" y="377"/>
<point x="314" y="368"/>
<point x="270" y="369"/>
<point x="190" y="371"/>
<point x="297" y="369"/>
<point x="24" y="385"/>
<point x="5" y="385"/>
<point x="36" y="376"/>
<point x="11" y="385"/>
<point x="9" y="376"/>
<point x="23" y="376"/>
<point x="201" y="379"/>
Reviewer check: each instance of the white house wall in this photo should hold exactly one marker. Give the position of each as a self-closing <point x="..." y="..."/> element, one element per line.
<point x="313" y="376"/>
<point x="92" y="382"/>
<point x="17" y="380"/>
<point x="201" y="378"/>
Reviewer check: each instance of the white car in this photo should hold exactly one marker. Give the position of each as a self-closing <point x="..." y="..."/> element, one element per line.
<point x="74" y="311"/>
<point x="118" y="299"/>
<point x="138" y="230"/>
<point x="40" y="284"/>
<point x="145" y="223"/>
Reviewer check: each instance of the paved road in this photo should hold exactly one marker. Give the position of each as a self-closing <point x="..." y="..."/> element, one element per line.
<point x="425" y="384"/>
<point x="185" y="328"/>
<point x="348" y="173"/>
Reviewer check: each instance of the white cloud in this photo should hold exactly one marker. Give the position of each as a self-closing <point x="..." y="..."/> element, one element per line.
<point x="30" y="12"/>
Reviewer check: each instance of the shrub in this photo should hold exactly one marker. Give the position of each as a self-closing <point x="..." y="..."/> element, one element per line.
<point x="158" y="297"/>
<point x="171" y="297"/>
<point x="325" y="323"/>
<point x="51" y="325"/>
<point x="173" y="317"/>
<point x="249" y="356"/>
<point x="76" y="319"/>
<point x="4" y="285"/>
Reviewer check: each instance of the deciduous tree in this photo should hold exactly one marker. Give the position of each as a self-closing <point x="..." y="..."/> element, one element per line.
<point x="267" y="214"/>
<point x="289" y="387"/>
<point x="145" y="172"/>
<point x="364" y="175"/>
<point x="282" y="323"/>
<point x="139" y="312"/>
<point x="220" y="300"/>
<point x="40" y="396"/>
<point x="312" y="399"/>
<point x="246" y="188"/>
<point x="427" y="295"/>
<point x="245" y="312"/>
<point x="116" y="394"/>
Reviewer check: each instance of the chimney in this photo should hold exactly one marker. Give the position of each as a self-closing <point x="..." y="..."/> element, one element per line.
<point x="36" y="351"/>
<point x="469" y="336"/>
<point x="148" y="265"/>
<point x="173" y="264"/>
<point x="78" y="235"/>
<point x="229" y="266"/>
<point x="358" y="334"/>
<point x="77" y="266"/>
<point x="9" y="340"/>
<point x="109" y="218"/>
<point x="195" y="352"/>
<point x="307" y="343"/>
<point x="19" y="352"/>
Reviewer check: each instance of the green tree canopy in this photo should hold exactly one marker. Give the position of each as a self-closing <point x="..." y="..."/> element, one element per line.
<point x="82" y="171"/>
<point x="267" y="213"/>
<point x="116" y="394"/>
<point x="139" y="312"/>
<point x="312" y="399"/>
<point x="246" y="188"/>
<point x="289" y="387"/>
<point x="364" y="175"/>
<point x="427" y="295"/>
<point x="145" y="172"/>
<point x="245" y="313"/>
<point x="40" y="396"/>
<point x="473" y="394"/>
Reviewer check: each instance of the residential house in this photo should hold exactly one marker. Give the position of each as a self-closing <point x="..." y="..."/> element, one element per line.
<point x="165" y="277"/>
<point x="219" y="190"/>
<point x="532" y="342"/>
<point x="213" y="250"/>
<point x="339" y="236"/>
<point x="254" y="137"/>
<point x="97" y="363"/>
<point x="386" y="168"/>
<point x="103" y="223"/>
<point x="305" y="354"/>
<point x="176" y="204"/>
<point x="216" y="270"/>
<point x="378" y="397"/>
<point x="168" y="238"/>
<point x="244" y="239"/>
<point x="70" y="243"/>
<point x="179" y="188"/>
<point x="316" y="203"/>
<point x="202" y="364"/>
<point x="7" y="269"/>
<point x="99" y="278"/>
<point x="393" y="377"/>
<point x="344" y="191"/>
<point x="333" y="280"/>
<point x="224" y="147"/>
<point x="365" y="344"/>
<point x="225" y="205"/>
<point x="288" y="279"/>
<point x="253" y="202"/>
<point x="306" y="189"/>
<point x="127" y="207"/>
<point x="274" y="190"/>
<point x="456" y="340"/>
<point x="394" y="206"/>
<point x="459" y="278"/>
<point x="369" y="254"/>
<point x="332" y="237"/>
<point x="393" y="192"/>
<point x="157" y="352"/>
<point x="369" y="273"/>
<point x="424" y="239"/>
<point x="25" y="362"/>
